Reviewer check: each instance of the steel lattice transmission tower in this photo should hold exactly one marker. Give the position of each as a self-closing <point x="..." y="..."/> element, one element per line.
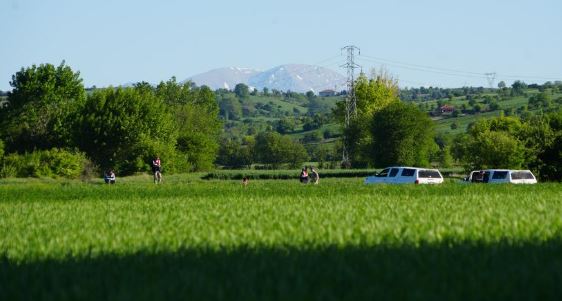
<point x="350" y="100"/>
<point x="491" y="77"/>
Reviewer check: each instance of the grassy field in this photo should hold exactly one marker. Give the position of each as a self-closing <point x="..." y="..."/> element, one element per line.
<point x="278" y="240"/>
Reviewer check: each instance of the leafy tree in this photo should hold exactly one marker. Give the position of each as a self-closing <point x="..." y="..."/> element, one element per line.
<point x="242" y="91"/>
<point x="491" y="149"/>
<point x="285" y="125"/>
<point x="312" y="123"/>
<point x="198" y="128"/>
<point x="234" y="154"/>
<point x="230" y="107"/>
<point x="174" y="93"/>
<point x="491" y="143"/>
<point x="541" y="100"/>
<point x="494" y="106"/>
<point x="542" y="136"/>
<point x="273" y="149"/>
<point x="402" y="135"/>
<point x="124" y="128"/>
<point x="518" y="88"/>
<point x="372" y="95"/>
<point x="41" y="107"/>
<point x="502" y="84"/>
<point x="477" y="108"/>
<point x="310" y="95"/>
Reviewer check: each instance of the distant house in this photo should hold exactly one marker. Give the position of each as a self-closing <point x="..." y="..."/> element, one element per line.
<point x="444" y="109"/>
<point x="327" y="93"/>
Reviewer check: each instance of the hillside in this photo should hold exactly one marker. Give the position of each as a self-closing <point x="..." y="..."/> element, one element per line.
<point x="310" y="121"/>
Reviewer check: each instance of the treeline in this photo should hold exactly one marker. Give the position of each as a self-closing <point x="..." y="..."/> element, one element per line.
<point x="510" y="142"/>
<point x="49" y="117"/>
<point x="270" y="149"/>
<point x="518" y="88"/>
<point x="386" y="131"/>
<point x="432" y="93"/>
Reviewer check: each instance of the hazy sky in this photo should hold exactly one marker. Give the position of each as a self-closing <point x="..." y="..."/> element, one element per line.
<point x="440" y="43"/>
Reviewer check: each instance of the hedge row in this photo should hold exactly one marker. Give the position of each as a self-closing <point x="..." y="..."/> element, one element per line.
<point x="283" y="174"/>
<point x="294" y="174"/>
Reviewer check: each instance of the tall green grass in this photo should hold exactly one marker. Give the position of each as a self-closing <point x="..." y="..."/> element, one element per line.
<point x="278" y="240"/>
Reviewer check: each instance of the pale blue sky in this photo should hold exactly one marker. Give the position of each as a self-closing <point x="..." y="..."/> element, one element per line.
<point x="115" y="42"/>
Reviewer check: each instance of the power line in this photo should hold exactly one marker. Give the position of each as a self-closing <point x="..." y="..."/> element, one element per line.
<point x="481" y="76"/>
<point x="449" y="71"/>
<point x="423" y="66"/>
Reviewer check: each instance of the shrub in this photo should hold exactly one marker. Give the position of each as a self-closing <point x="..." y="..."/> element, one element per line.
<point x="45" y="163"/>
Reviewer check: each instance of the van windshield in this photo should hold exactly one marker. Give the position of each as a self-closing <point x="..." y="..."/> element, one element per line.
<point x="383" y="173"/>
<point x="427" y="173"/>
<point x="521" y="175"/>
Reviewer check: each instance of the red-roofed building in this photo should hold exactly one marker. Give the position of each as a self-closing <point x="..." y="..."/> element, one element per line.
<point x="446" y="109"/>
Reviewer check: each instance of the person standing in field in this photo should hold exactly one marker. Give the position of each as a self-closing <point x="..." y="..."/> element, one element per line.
<point x="315" y="177"/>
<point x="157" y="170"/>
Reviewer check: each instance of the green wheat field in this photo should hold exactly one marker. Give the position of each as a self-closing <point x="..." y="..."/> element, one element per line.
<point x="193" y="239"/>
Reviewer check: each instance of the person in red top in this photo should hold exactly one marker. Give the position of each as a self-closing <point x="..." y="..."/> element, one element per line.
<point x="157" y="169"/>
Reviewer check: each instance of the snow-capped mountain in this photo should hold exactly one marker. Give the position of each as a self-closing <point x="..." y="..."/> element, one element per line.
<point x="226" y="78"/>
<point x="293" y="77"/>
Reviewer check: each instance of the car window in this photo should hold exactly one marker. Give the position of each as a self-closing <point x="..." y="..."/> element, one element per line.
<point x="383" y="173"/>
<point x="408" y="172"/>
<point x="477" y="176"/>
<point x="393" y="172"/>
<point x="521" y="175"/>
<point x="486" y="177"/>
<point x="499" y="175"/>
<point x="428" y="173"/>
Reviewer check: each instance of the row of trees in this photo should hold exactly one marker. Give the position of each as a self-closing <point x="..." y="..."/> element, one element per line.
<point x="267" y="148"/>
<point x="386" y="131"/>
<point x="119" y="128"/>
<point x="433" y="93"/>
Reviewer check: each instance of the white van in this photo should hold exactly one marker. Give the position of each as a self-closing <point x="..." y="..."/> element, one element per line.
<point x="501" y="176"/>
<point x="403" y="175"/>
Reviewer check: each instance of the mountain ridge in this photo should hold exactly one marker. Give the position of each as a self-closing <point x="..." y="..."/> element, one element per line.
<point x="287" y="77"/>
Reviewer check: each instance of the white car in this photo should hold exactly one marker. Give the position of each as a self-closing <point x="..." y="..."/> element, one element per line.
<point x="501" y="176"/>
<point x="403" y="175"/>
